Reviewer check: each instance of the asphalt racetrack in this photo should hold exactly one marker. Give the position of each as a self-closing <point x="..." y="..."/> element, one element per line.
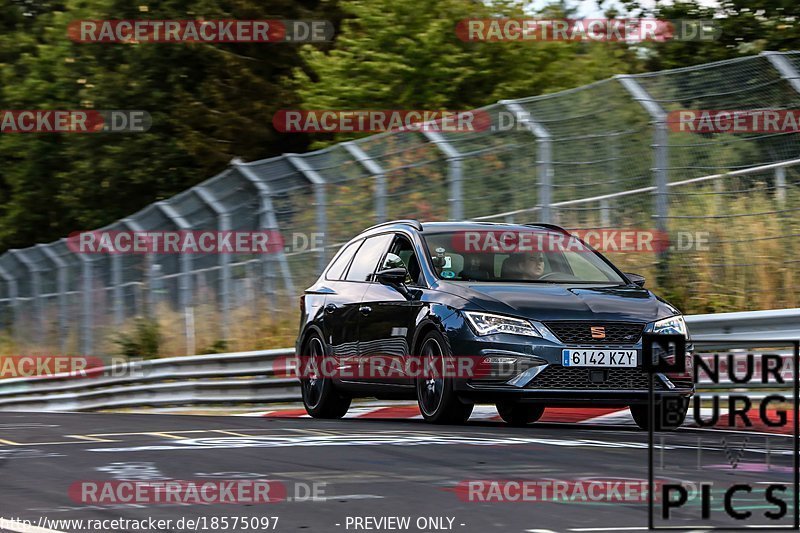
<point x="337" y="472"/>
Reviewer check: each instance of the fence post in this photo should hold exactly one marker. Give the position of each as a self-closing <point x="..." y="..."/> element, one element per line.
<point x="61" y="281"/>
<point x="36" y="292"/>
<point x="267" y="218"/>
<point x="792" y="77"/>
<point x="12" y="299"/>
<point x="116" y="289"/>
<point x="660" y="147"/>
<point x="605" y="213"/>
<point x="154" y="280"/>
<point x="455" y="172"/>
<point x="223" y="225"/>
<point x="605" y="205"/>
<point x="780" y="185"/>
<point x="785" y="68"/>
<point x="544" y="156"/>
<point x="318" y="183"/>
<point x="185" y="299"/>
<point x="185" y="279"/>
<point x="374" y="170"/>
<point x="149" y="303"/>
<point x="87" y="317"/>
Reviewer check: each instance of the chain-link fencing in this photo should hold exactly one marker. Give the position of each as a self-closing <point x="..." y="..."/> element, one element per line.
<point x="605" y="155"/>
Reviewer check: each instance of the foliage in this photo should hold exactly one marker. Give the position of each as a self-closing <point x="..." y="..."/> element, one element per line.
<point x="208" y="103"/>
<point x="143" y="342"/>
<point x="746" y="27"/>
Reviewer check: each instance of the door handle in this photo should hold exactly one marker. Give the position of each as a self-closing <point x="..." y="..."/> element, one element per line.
<point x="365" y="309"/>
<point x="330" y="308"/>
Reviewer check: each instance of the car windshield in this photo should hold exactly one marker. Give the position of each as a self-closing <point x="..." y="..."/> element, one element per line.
<point x="531" y="255"/>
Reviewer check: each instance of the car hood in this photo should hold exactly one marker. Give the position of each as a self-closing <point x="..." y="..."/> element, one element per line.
<point x="548" y="301"/>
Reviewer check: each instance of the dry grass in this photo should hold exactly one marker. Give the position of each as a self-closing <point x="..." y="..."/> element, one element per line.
<point x="751" y="263"/>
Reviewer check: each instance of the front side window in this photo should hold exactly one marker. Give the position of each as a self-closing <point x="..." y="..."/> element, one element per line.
<point x="532" y="256"/>
<point x="366" y="260"/>
<point x="338" y="267"/>
<point x="402" y="254"/>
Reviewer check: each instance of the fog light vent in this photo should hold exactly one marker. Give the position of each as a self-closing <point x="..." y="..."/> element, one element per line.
<point x="597" y="376"/>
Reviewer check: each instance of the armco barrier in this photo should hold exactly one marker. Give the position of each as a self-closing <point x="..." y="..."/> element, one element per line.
<point x="776" y="324"/>
<point x="232" y="378"/>
<point x="249" y="377"/>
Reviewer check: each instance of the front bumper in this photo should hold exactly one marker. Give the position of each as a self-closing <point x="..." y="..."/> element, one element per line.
<point x="538" y="376"/>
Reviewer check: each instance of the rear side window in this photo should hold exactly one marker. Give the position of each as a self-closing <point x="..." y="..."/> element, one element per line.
<point x="366" y="260"/>
<point x="340" y="264"/>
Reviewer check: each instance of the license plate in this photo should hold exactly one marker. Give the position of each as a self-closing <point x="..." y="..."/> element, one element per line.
<point x="613" y="358"/>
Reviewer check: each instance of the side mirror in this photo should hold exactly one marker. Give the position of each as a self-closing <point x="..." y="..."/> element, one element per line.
<point x="395" y="278"/>
<point x="392" y="276"/>
<point x="636" y="279"/>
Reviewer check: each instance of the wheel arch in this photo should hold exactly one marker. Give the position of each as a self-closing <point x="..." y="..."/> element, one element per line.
<point x="303" y="339"/>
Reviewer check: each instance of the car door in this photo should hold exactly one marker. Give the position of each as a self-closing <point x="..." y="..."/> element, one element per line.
<point x="387" y="318"/>
<point x="341" y="311"/>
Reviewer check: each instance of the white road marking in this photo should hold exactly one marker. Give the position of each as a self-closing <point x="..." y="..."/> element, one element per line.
<point x="621" y="417"/>
<point x="349" y="497"/>
<point x="27" y="425"/>
<point x="22" y="527"/>
<point x="700" y="530"/>
<point x="608" y="529"/>
<point x="483" y="412"/>
<point x="368" y="439"/>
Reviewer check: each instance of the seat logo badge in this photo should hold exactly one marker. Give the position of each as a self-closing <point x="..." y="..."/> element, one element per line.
<point x="598" y="332"/>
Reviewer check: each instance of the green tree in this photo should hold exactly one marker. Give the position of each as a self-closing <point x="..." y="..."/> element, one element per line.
<point x="746" y="27"/>
<point x="208" y="102"/>
<point x="405" y="54"/>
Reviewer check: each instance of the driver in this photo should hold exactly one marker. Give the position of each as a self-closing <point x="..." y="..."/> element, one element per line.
<point x="524" y="266"/>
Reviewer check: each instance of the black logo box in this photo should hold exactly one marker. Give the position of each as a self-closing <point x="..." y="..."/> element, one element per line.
<point x="678" y="365"/>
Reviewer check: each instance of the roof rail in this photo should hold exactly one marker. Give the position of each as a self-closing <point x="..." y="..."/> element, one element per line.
<point x="407" y="221"/>
<point x="549" y="226"/>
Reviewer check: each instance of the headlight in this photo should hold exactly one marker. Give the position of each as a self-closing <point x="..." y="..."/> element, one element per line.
<point x="487" y="324"/>
<point x="673" y="324"/>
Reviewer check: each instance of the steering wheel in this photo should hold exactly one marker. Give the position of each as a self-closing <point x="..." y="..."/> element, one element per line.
<point x="561" y="275"/>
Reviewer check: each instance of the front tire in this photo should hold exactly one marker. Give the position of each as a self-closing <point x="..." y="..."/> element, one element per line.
<point x="437" y="400"/>
<point x="519" y="414"/>
<point x="320" y="397"/>
<point x="670" y="414"/>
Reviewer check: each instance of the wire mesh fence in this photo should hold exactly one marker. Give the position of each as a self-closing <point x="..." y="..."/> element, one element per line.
<point x="601" y="156"/>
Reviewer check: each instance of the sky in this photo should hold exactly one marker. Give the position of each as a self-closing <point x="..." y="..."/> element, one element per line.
<point x="589" y="9"/>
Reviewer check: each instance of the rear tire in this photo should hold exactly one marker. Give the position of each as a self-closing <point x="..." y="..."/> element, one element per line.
<point x="670" y="414"/>
<point x="519" y="414"/>
<point x="320" y="397"/>
<point x="437" y="400"/>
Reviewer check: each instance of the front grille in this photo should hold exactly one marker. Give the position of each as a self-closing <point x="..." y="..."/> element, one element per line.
<point x="572" y="332"/>
<point x="559" y="377"/>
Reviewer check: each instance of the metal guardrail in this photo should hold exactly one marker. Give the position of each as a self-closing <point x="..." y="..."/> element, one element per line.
<point x="233" y="378"/>
<point x="777" y="324"/>
<point x="250" y="377"/>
